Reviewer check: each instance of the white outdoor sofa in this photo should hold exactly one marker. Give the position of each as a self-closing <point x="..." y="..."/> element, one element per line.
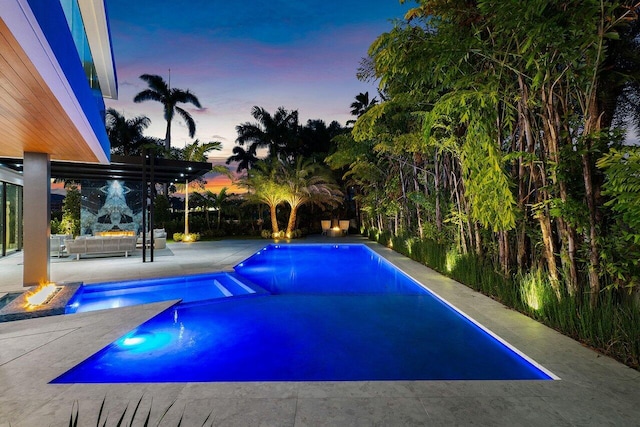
<point x="82" y="245"/>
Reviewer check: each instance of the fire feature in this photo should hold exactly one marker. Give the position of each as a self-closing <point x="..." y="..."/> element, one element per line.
<point x="41" y="295"/>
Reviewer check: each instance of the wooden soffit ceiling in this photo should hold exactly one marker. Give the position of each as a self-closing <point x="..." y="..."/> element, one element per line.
<point x="31" y="117"/>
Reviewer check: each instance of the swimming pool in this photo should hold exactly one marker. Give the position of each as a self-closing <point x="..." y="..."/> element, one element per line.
<point x="327" y="312"/>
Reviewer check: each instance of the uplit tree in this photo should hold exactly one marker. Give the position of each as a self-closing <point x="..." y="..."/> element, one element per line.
<point x="195" y="152"/>
<point x="218" y="202"/>
<point x="264" y="186"/>
<point x="307" y="183"/>
<point x="71" y="206"/>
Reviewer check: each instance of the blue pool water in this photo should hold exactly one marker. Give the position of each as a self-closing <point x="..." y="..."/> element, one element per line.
<point x="331" y="313"/>
<point x="325" y="269"/>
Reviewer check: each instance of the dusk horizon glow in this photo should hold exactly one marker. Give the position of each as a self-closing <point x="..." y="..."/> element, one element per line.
<point x="233" y="56"/>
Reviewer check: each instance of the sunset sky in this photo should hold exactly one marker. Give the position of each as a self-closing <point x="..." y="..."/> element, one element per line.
<point x="302" y="55"/>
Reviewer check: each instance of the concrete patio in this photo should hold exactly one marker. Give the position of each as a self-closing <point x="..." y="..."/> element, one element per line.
<point x="593" y="389"/>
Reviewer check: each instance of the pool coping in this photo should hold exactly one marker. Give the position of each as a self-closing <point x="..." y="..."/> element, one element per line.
<point x="594" y="389"/>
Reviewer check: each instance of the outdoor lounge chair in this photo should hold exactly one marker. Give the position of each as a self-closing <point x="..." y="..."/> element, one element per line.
<point x="326" y="226"/>
<point x="344" y="226"/>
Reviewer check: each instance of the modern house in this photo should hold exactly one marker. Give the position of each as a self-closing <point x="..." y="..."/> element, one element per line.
<point x="56" y="66"/>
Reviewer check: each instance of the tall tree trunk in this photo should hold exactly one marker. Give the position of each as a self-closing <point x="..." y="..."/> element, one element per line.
<point x="471" y="225"/>
<point x="167" y="146"/>
<point x="436" y="184"/>
<point x="206" y="215"/>
<point x="594" y="256"/>
<point x="503" y="244"/>
<point x="523" y="197"/>
<point x="545" y="227"/>
<point x="274" y="219"/>
<point x="416" y="187"/>
<point x="186" y="208"/>
<point x="552" y="125"/>
<point x="167" y="137"/>
<point x="405" y="201"/>
<point x="395" y="224"/>
<point x="291" y="225"/>
<point x="526" y="144"/>
<point x="542" y="215"/>
<point x="463" y="239"/>
<point x="591" y="126"/>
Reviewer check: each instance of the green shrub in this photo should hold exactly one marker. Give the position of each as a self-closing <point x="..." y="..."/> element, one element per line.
<point x="384" y="238"/>
<point x="191" y="237"/>
<point x="265" y="234"/>
<point x="55" y="226"/>
<point x="372" y="234"/>
<point x="177" y="237"/>
<point x="612" y="326"/>
<point x="429" y="253"/>
<point x="402" y="244"/>
<point x="534" y="291"/>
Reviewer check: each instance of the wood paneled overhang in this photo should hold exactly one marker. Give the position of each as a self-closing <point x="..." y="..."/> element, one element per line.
<point x="44" y="106"/>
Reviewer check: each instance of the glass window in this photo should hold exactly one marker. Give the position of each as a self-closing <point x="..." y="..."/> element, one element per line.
<point x="13" y="218"/>
<point x="2" y="218"/>
<point x="78" y="32"/>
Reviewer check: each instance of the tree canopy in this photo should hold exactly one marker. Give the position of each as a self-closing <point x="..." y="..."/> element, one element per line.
<point x="490" y="128"/>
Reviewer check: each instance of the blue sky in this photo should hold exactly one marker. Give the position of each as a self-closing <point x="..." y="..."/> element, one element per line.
<point x="233" y="55"/>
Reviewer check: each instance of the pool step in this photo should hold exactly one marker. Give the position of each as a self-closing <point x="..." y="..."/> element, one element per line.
<point x="221" y="288"/>
<point x="231" y="285"/>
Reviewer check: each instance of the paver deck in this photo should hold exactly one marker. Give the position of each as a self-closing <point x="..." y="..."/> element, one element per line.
<point x="593" y="389"/>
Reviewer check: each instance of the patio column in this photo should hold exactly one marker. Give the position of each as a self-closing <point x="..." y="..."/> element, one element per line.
<point x="36" y="211"/>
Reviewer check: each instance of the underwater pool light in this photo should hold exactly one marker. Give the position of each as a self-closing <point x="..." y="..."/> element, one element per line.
<point x="143" y="341"/>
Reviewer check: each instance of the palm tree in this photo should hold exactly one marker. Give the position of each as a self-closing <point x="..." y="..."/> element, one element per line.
<point x="245" y="158"/>
<point x="169" y="97"/>
<point x="361" y="105"/>
<point x="279" y="133"/>
<point x="219" y="201"/>
<point x="125" y="134"/>
<point x="195" y="152"/>
<point x="308" y="182"/>
<point x="264" y="186"/>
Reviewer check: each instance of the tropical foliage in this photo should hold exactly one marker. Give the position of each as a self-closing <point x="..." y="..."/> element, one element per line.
<point x="70" y="223"/>
<point x="502" y="134"/>
<point x="264" y="186"/>
<point x="283" y="138"/>
<point x="307" y="182"/>
<point x="195" y="152"/>
<point x="126" y="135"/>
<point x="274" y="183"/>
